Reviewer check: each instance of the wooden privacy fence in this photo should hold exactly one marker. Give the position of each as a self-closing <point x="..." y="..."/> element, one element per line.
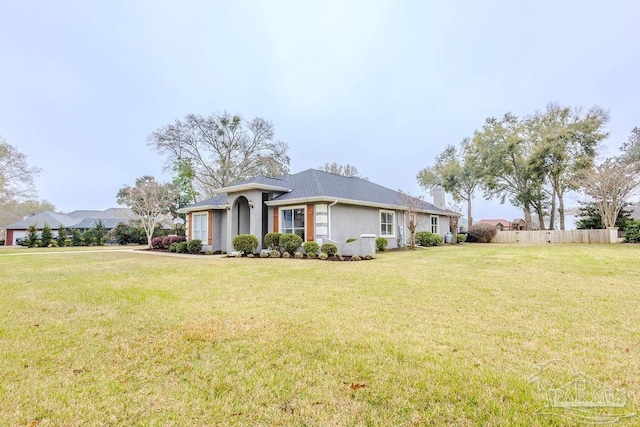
<point x="554" y="236"/>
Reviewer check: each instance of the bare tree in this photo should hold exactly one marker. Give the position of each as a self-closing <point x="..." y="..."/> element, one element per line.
<point x="16" y="176"/>
<point x="610" y="185"/>
<point x="150" y="200"/>
<point x="412" y="218"/>
<point x="344" y="170"/>
<point x="222" y="149"/>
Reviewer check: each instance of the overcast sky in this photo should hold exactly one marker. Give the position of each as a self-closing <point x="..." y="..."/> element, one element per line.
<point x="382" y="85"/>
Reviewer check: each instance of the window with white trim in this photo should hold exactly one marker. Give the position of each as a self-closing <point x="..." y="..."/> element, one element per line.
<point x="435" y="224"/>
<point x="387" y="223"/>
<point x="293" y="221"/>
<point x="200" y="227"/>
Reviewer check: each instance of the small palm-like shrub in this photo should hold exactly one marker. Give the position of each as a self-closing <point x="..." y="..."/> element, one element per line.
<point x="286" y="255"/>
<point x="245" y="243"/>
<point x="250" y="256"/>
<point x="298" y="255"/>
<point x="323" y="256"/>
<point x="368" y="257"/>
<point x="338" y="256"/>
<point x="264" y="254"/>
<point x="381" y="244"/>
<point x="311" y="254"/>
<point x="356" y="258"/>
<point x="274" y="254"/>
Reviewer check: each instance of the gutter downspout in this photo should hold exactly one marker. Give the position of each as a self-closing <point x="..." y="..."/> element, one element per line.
<point x="329" y="216"/>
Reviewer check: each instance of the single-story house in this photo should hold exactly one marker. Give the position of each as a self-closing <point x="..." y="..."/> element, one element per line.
<point x="81" y="220"/>
<point x="318" y="206"/>
<point x="499" y="224"/>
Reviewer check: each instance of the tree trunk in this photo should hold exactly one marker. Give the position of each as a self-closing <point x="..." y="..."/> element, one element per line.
<point x="469" y="219"/>
<point x="527" y="217"/>
<point x="561" y="210"/>
<point x="552" y="214"/>
<point x="540" y="212"/>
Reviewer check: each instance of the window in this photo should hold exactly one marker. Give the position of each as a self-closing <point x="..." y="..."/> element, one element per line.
<point x="200" y="227"/>
<point x="293" y="221"/>
<point x="435" y="220"/>
<point x="387" y="223"/>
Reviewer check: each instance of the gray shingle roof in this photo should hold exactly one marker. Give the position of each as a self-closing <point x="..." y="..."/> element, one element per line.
<point x="76" y="219"/>
<point x="315" y="183"/>
<point x="108" y="223"/>
<point x="51" y="218"/>
<point x="214" y="201"/>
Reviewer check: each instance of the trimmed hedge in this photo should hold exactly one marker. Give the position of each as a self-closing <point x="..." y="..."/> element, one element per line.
<point x="272" y="240"/>
<point x="426" y="239"/>
<point x="311" y="247"/>
<point x="290" y="242"/>
<point x="381" y="244"/>
<point x="194" y="246"/>
<point x="329" y="248"/>
<point x="245" y="243"/>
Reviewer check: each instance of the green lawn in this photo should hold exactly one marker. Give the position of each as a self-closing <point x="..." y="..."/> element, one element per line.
<point x="442" y="336"/>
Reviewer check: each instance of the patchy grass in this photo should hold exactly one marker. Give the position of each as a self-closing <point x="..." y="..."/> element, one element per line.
<point x="442" y="336"/>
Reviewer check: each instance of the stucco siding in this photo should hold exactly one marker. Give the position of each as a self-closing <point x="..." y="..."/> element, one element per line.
<point x="350" y="221"/>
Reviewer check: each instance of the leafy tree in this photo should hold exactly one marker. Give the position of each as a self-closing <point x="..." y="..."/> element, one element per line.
<point x="343" y="170"/>
<point x="564" y="141"/>
<point x="32" y="236"/>
<point x="100" y="233"/>
<point x="631" y="148"/>
<point x="150" y="200"/>
<point x="27" y="207"/>
<point x="591" y="219"/>
<point x="47" y="236"/>
<point x="62" y="235"/>
<point x="221" y="149"/>
<point x="16" y="176"/>
<point x="184" y="175"/>
<point x="457" y="171"/>
<point x="505" y="158"/>
<point x="89" y="237"/>
<point x="76" y="237"/>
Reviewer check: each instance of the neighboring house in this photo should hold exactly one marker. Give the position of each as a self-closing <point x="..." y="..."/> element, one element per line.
<point x="499" y="224"/>
<point x="518" y="224"/>
<point x="316" y="205"/>
<point x="81" y="220"/>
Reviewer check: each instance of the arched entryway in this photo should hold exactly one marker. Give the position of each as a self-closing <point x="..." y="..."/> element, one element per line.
<point x="240" y="216"/>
